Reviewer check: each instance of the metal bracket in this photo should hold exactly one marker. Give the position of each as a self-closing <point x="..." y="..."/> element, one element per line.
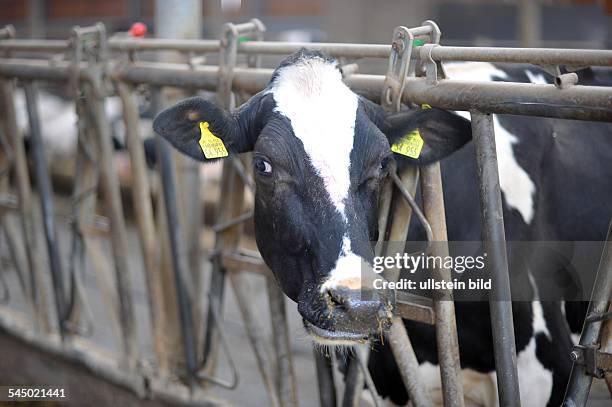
<point x="399" y="64"/>
<point x="229" y="51"/>
<point x="561" y="80"/>
<point x="595" y="363"/>
<point x="89" y="43"/>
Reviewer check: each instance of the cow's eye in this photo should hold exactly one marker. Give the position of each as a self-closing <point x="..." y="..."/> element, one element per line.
<point x="262" y="166"/>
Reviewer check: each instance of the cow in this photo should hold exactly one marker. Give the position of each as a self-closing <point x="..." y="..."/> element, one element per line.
<point x="321" y="154"/>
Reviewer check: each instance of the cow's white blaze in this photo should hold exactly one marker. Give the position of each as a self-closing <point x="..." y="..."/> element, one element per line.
<point x="347" y="272"/>
<point x="322" y="111"/>
<point x="515" y="183"/>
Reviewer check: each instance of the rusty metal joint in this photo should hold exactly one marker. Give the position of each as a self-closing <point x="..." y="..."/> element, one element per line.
<point x="587" y="356"/>
<point x="432" y="66"/>
<point x="596" y="316"/>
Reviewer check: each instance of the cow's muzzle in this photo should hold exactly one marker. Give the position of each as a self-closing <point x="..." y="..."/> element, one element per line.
<point x="342" y="315"/>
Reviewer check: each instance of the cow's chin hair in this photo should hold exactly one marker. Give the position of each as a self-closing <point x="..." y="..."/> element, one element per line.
<point x="343" y="341"/>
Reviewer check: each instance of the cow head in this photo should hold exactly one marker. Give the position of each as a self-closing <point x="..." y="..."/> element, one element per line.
<point x="320" y="155"/>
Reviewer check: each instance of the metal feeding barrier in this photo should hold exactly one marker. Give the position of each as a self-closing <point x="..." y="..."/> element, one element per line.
<point x="94" y="67"/>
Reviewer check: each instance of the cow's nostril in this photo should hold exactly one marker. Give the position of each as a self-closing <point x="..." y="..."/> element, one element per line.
<point x="335" y="298"/>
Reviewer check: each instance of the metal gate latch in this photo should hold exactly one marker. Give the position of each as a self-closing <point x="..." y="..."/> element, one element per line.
<point x="596" y="363"/>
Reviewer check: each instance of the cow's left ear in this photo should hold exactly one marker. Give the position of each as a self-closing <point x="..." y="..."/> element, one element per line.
<point x="204" y="131"/>
<point x="421" y="135"/>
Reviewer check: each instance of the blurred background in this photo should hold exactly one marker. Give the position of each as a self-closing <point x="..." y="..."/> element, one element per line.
<point x="547" y="23"/>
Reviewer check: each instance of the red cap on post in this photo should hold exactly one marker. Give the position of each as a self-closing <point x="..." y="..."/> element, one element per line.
<point x="138" y="30"/>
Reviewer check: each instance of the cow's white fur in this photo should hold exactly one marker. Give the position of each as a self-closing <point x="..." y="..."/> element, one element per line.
<point x="351" y="271"/>
<point x="515" y="183"/>
<point x="535" y="381"/>
<point x="322" y="111"/>
<point x="537" y="78"/>
<point x="480" y="389"/>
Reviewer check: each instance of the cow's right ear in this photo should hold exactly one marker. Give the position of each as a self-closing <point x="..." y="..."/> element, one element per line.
<point x="204" y="131"/>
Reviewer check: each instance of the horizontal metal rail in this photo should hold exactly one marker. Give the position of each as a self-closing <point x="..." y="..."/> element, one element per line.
<point x="576" y="102"/>
<point x="34" y="45"/>
<point x="163" y="44"/>
<point x="535" y="56"/>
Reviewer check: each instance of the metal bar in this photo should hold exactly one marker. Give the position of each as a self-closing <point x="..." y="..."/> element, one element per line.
<point x="112" y="195"/>
<point x="536" y="56"/>
<point x="26" y="207"/>
<point x="578" y="102"/>
<point x="285" y="373"/>
<point x="577" y="392"/>
<point x="407" y="363"/>
<point x="46" y="200"/>
<point x="179" y="261"/>
<point x="492" y="218"/>
<point x="173" y="341"/>
<point x="325" y="378"/>
<point x="141" y="196"/>
<point x="163" y="44"/>
<point x="35" y="45"/>
<point x="334" y="49"/>
<point x="446" y="326"/>
<point x="353" y="383"/>
<point x="254" y="333"/>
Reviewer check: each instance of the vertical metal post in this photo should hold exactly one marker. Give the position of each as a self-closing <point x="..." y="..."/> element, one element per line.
<point x="492" y="218"/>
<point x="407" y="363"/>
<point x="183" y="19"/>
<point x="529" y="23"/>
<point x="399" y="341"/>
<point x="446" y="326"/>
<point x="24" y="191"/>
<point x="325" y="379"/>
<point x="179" y="260"/>
<point x="577" y="392"/>
<point x="254" y="333"/>
<point x="112" y="195"/>
<point x="285" y="374"/>
<point x="36" y="18"/>
<point x="46" y="199"/>
<point x="141" y="196"/>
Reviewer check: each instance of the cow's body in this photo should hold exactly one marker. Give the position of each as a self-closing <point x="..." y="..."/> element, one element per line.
<point x="320" y="154"/>
<point x="555" y="177"/>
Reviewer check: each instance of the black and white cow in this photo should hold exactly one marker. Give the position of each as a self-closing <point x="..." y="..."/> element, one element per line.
<point x="320" y="154"/>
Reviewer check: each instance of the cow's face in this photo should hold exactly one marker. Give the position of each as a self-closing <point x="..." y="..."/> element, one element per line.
<point x="320" y="155"/>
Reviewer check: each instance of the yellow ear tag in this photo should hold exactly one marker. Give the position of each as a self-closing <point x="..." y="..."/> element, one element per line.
<point x="212" y="146"/>
<point x="410" y="145"/>
<point x="425" y="106"/>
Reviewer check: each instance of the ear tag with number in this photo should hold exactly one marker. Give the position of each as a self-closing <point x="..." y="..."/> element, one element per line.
<point x="410" y="145"/>
<point x="211" y="145"/>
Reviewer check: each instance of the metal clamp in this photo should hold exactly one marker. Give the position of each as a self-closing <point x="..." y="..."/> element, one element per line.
<point x="587" y="356"/>
<point x="229" y="52"/>
<point x="399" y="64"/>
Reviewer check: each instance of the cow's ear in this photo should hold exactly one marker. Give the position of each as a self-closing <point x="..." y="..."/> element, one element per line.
<point x="421" y="135"/>
<point x="204" y="131"/>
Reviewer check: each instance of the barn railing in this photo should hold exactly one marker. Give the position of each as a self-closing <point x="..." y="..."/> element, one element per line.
<point x="415" y="76"/>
